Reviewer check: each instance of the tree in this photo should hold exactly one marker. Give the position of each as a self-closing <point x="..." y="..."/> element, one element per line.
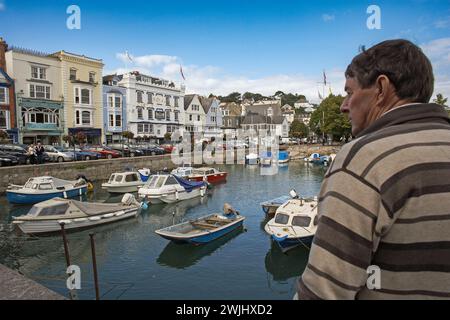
<point x="232" y="97"/>
<point x="298" y="130"/>
<point x="328" y="119"/>
<point x="128" y="135"/>
<point x="168" y="136"/>
<point x="440" y="100"/>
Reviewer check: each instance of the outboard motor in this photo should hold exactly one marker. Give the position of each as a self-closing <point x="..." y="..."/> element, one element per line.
<point x="82" y="179"/>
<point x="128" y="199"/>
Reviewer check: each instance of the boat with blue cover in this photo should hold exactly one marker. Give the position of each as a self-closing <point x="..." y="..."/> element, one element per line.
<point x="202" y="230"/>
<point x="44" y="188"/>
<point x="144" y="174"/>
<point x="294" y="224"/>
<point x="168" y="188"/>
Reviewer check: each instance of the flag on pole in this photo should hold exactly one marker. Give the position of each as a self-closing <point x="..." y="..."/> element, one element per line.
<point x="320" y="96"/>
<point x="182" y="74"/>
<point x="324" y="78"/>
<point x="128" y="56"/>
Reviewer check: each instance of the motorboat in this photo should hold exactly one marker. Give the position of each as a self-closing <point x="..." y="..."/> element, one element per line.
<point x="47" y="216"/>
<point x="123" y="182"/>
<point x="144" y="174"/>
<point x="266" y="159"/>
<point x="182" y="172"/>
<point x="210" y="175"/>
<point x="202" y="230"/>
<point x="44" y="188"/>
<point x="252" y="159"/>
<point x="316" y="158"/>
<point x="294" y="223"/>
<point x="168" y="188"/>
<point x="312" y="157"/>
<point x="270" y="206"/>
<point x="283" y="156"/>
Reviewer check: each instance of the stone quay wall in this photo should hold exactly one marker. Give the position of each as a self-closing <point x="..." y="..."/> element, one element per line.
<point x="93" y="169"/>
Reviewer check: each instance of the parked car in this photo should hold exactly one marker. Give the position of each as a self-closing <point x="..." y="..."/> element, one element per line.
<point x="45" y="156"/>
<point x="17" y="151"/>
<point x="150" y="149"/>
<point x="58" y="155"/>
<point x="128" y="151"/>
<point x="104" y="151"/>
<point x="8" y="159"/>
<point x="80" y="154"/>
<point x="168" y="148"/>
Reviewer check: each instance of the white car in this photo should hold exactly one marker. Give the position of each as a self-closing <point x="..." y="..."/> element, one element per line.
<point x="57" y="155"/>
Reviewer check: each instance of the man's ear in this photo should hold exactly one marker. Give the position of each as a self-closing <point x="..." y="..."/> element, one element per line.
<point x="384" y="89"/>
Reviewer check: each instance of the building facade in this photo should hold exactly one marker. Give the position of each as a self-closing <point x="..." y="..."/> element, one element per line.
<point x="114" y="109"/>
<point x="155" y="107"/>
<point x="39" y="102"/>
<point x="231" y="118"/>
<point x="81" y="81"/>
<point x="7" y="98"/>
<point x="195" y="115"/>
<point x="213" y="117"/>
<point x="276" y="125"/>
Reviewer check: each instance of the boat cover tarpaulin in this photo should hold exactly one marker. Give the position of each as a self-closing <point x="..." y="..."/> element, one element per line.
<point x="189" y="185"/>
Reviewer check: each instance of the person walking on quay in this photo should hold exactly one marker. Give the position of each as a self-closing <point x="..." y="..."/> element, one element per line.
<point x="384" y="224"/>
<point x="31" y="152"/>
<point x="40" y="153"/>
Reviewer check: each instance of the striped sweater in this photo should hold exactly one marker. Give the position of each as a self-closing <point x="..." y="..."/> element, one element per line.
<point x="385" y="201"/>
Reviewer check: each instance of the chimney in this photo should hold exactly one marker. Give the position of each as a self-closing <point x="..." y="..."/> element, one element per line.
<point x="3" y="47"/>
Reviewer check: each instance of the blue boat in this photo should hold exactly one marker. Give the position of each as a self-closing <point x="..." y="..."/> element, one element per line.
<point x="202" y="230"/>
<point x="283" y="156"/>
<point x="45" y="188"/>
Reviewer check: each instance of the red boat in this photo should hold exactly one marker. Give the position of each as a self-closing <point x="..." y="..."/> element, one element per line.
<point x="209" y="174"/>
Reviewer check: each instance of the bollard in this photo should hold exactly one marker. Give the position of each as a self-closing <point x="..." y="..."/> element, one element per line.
<point x="94" y="265"/>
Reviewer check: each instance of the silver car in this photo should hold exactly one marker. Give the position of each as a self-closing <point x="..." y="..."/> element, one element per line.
<point x="57" y="155"/>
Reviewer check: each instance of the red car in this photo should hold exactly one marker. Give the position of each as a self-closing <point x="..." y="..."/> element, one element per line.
<point x="105" y="152"/>
<point x="168" y="148"/>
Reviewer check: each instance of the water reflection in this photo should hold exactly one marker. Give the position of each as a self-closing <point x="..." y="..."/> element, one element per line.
<point x="182" y="256"/>
<point x="283" y="266"/>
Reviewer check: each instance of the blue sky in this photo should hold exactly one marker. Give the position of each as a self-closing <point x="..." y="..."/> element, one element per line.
<point x="223" y="46"/>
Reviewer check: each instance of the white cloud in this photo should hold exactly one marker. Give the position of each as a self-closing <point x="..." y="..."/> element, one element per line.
<point x="438" y="51"/>
<point x="211" y="79"/>
<point x="328" y="17"/>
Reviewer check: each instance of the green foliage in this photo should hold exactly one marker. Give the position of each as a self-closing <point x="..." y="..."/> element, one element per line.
<point x="298" y="130"/>
<point x="291" y="99"/>
<point x="440" y="99"/>
<point x="128" y="135"/>
<point x="328" y="119"/>
<point x="232" y="97"/>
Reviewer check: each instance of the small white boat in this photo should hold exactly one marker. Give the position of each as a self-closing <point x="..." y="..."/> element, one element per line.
<point x="252" y="159"/>
<point x="168" y="188"/>
<point x="294" y="224"/>
<point x="144" y="174"/>
<point x="123" y="182"/>
<point x="47" y="216"/>
<point x="182" y="172"/>
<point x="44" y="188"/>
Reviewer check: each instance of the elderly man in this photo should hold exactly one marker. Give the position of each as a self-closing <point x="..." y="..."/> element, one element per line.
<point x="385" y="201"/>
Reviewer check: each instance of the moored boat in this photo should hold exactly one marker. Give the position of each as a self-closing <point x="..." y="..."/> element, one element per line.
<point x="47" y="216"/>
<point x="211" y="175"/>
<point x="182" y="172"/>
<point x="270" y="206"/>
<point x="202" y="230"/>
<point x="252" y="159"/>
<point x="123" y="182"/>
<point x="144" y="174"/>
<point x="44" y="188"/>
<point x="283" y="156"/>
<point x="294" y="224"/>
<point x="168" y="188"/>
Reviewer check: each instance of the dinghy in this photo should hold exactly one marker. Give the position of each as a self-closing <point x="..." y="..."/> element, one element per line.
<point x="202" y="230"/>
<point x="44" y="188"/>
<point x="47" y="216"/>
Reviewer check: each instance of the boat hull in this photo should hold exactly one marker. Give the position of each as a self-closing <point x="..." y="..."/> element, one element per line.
<point x="287" y="244"/>
<point x="211" y="178"/>
<point x="15" y="196"/>
<point x="49" y="226"/>
<point x="111" y="188"/>
<point x="183" y="195"/>
<point x="205" y="238"/>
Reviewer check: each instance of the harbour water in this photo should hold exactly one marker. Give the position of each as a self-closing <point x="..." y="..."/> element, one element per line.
<point x="135" y="263"/>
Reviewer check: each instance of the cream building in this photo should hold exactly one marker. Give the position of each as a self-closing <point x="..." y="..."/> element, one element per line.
<point x="81" y="78"/>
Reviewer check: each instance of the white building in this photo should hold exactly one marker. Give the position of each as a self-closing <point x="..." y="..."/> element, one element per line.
<point x="195" y="115"/>
<point x="154" y="106"/>
<point x="213" y="114"/>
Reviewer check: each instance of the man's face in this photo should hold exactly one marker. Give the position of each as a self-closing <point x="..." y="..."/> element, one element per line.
<point x="358" y="104"/>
